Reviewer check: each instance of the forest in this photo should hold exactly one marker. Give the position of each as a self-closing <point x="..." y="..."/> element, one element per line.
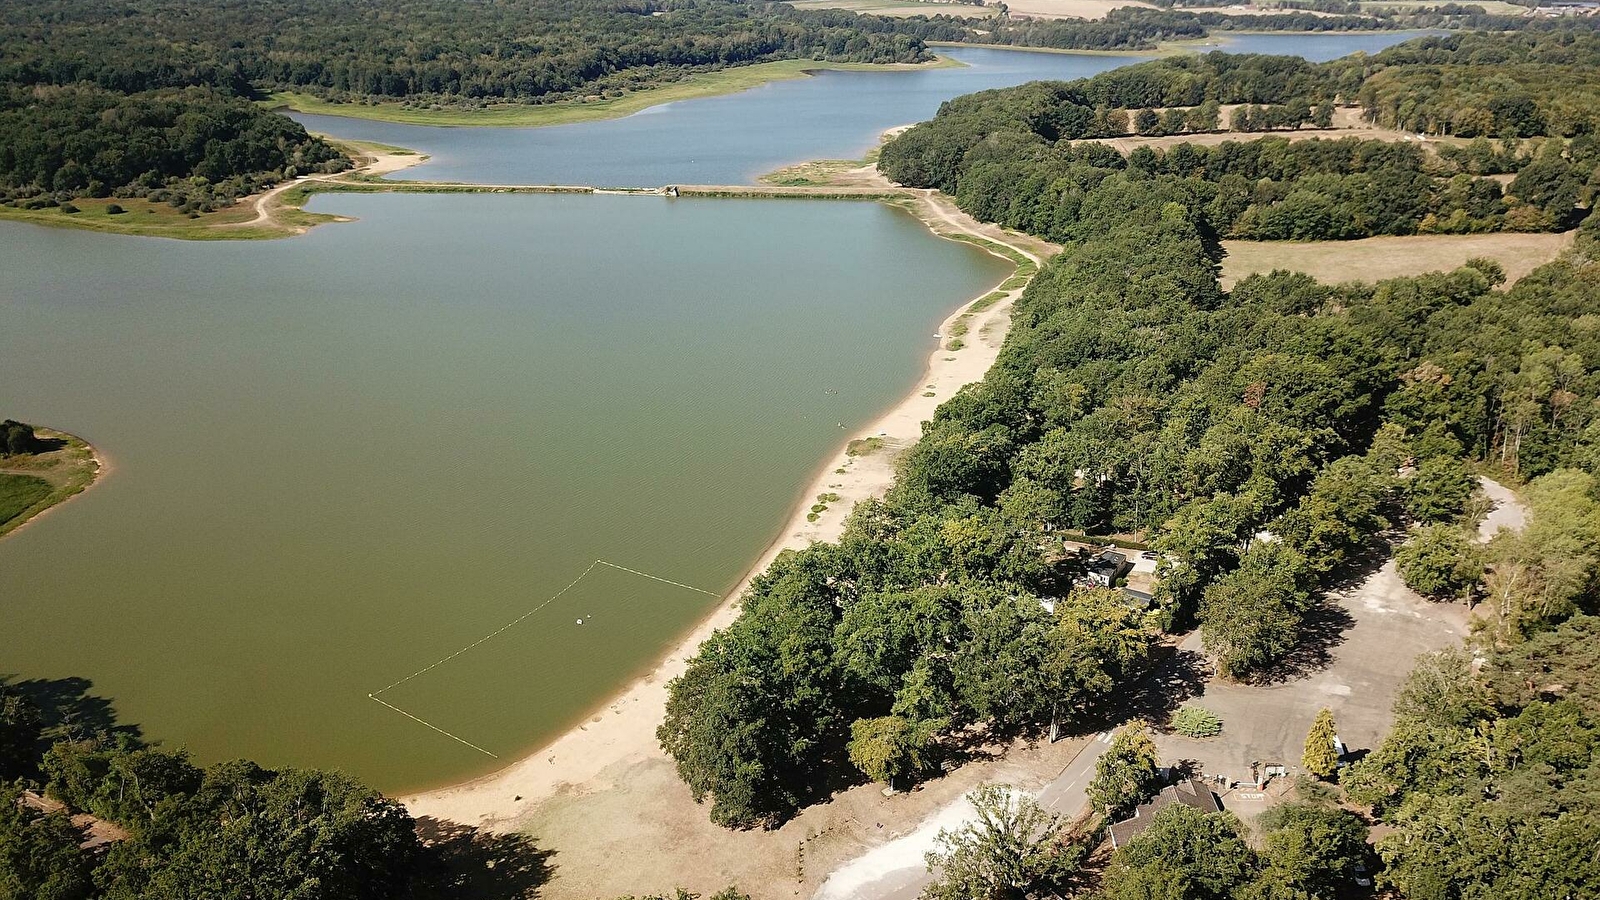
<point x="1135" y="397"/>
<point x="1141" y="28"/>
<point x="194" y="147"/>
<point x="1542" y="83"/>
<point x="435" y="49"/>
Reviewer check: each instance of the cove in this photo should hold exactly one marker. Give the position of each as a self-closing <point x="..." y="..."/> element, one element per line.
<point x="338" y="458"/>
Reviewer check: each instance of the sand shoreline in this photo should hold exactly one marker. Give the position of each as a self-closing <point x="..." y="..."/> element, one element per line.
<point x="102" y="468"/>
<point x="622" y="730"/>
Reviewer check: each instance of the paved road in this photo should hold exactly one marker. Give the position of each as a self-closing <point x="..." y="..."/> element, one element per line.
<point x="895" y="871"/>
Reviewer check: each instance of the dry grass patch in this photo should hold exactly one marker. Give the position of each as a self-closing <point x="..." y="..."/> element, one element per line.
<point x="1374" y="259"/>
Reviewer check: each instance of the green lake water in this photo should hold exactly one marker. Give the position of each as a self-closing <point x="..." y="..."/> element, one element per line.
<point x="341" y="457"/>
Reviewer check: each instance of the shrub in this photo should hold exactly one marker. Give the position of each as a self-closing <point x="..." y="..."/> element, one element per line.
<point x="1196" y="722"/>
<point x="114" y="210"/>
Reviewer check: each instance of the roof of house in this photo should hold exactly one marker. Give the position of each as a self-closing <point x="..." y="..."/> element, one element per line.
<point x="1188" y="792"/>
<point x="1109" y="561"/>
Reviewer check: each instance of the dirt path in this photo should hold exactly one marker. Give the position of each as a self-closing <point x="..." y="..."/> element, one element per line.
<point x="1508" y="511"/>
<point x="269" y="210"/>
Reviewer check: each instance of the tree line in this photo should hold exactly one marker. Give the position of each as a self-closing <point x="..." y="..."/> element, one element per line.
<point x="1014" y="156"/>
<point x="229" y="830"/>
<point x="1540" y="81"/>
<point x="153" y="98"/>
<point x="424" y="49"/>
<point x="1140" y="28"/>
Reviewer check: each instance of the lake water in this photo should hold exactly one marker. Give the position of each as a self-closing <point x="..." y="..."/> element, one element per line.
<point x="735" y="138"/>
<point x="340" y="457"/>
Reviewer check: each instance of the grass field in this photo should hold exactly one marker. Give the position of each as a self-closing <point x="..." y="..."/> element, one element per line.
<point x="1374" y="259"/>
<point x="512" y="115"/>
<point x="32" y="483"/>
<point x="19" y="493"/>
<point x="141" y="217"/>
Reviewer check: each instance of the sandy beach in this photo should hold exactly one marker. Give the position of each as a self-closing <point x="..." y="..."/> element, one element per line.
<point x="621" y="736"/>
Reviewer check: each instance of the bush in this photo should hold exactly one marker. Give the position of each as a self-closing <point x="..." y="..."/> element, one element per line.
<point x="114" y="210"/>
<point x="1196" y="722"/>
<point x="68" y="208"/>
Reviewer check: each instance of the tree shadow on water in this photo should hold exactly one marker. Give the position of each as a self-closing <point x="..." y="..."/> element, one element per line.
<point x="68" y="711"/>
<point x="462" y="861"/>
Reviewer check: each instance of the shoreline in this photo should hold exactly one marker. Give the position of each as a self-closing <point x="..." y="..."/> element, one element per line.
<point x="715" y="83"/>
<point x="99" y="469"/>
<point x="621" y="731"/>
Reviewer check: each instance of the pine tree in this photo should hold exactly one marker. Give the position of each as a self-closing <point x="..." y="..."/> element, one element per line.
<point x="1321" y="759"/>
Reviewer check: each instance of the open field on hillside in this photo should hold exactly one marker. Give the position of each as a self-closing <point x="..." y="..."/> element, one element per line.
<point x="1373" y="259"/>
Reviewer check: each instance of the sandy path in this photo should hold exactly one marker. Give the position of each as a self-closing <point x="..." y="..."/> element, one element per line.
<point x="378" y="163"/>
<point x="625" y="734"/>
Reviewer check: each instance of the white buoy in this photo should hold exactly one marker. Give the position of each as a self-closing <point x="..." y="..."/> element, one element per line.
<point x="580" y="621"/>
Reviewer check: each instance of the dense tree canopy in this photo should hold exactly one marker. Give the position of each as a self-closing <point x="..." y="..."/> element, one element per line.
<point x="1016" y="156"/>
<point x="229" y="831"/>
<point x="1491" y="785"/>
<point x="454" y="51"/>
<point x="194" y="144"/>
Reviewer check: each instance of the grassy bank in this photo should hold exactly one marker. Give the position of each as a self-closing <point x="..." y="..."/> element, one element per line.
<point x="141" y="217"/>
<point x="32" y="483"/>
<point x="513" y="115"/>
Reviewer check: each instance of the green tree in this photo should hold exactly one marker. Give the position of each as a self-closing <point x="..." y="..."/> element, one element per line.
<point x="39" y="855"/>
<point x="1250" y="618"/>
<point x="1145" y="121"/>
<point x="1441" y="562"/>
<point x="1439" y="490"/>
<point x="1185" y="854"/>
<point x="1312" y="851"/>
<point x="1321" y="757"/>
<point x="1442" y="689"/>
<point x="1013" y="850"/>
<point x="1127" y="774"/>
<point x="19" y="734"/>
<point x="17" y="438"/>
<point x="890" y="747"/>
